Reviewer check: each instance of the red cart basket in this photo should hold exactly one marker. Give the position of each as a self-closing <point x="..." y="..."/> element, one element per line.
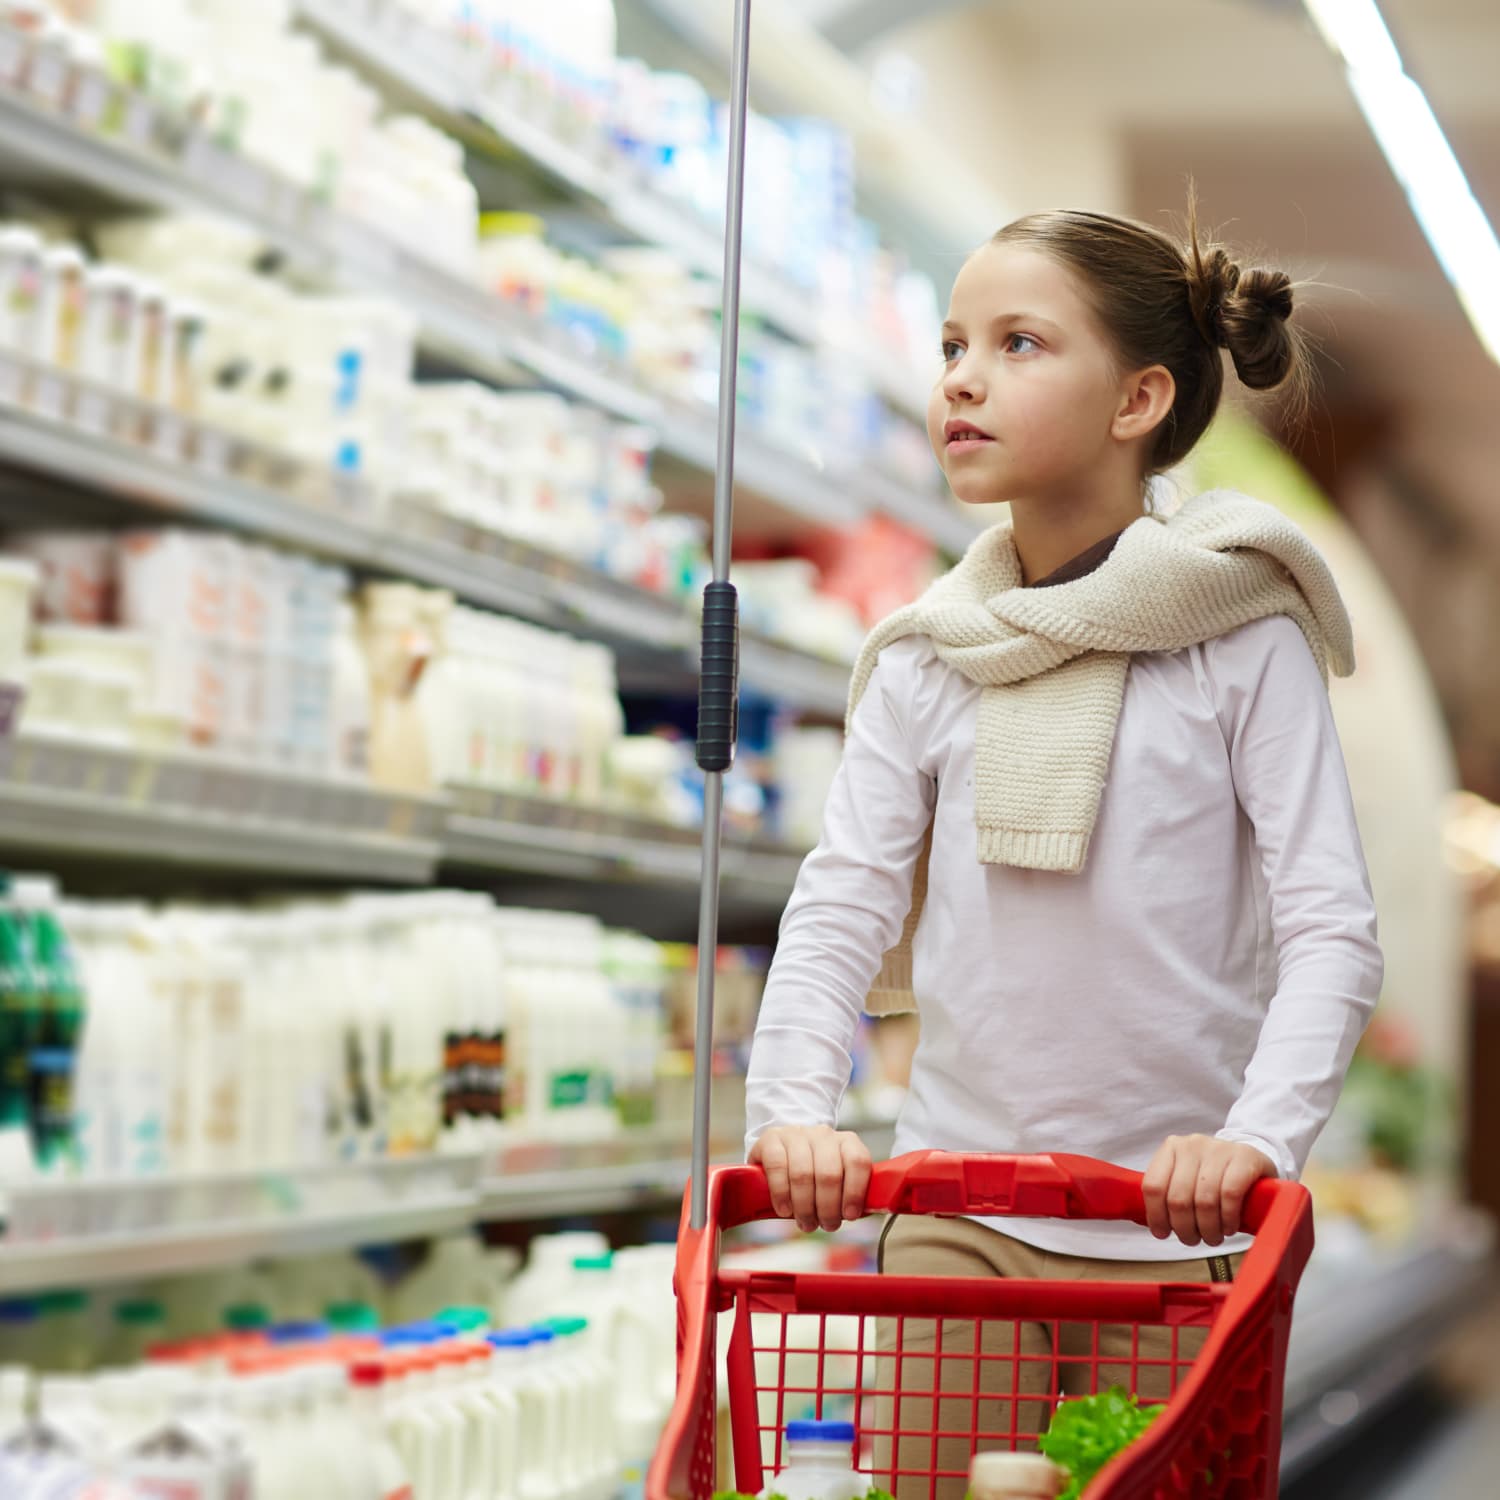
<point x="1219" y="1438"/>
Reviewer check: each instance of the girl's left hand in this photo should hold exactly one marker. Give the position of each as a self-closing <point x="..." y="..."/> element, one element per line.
<point x="1196" y="1187"/>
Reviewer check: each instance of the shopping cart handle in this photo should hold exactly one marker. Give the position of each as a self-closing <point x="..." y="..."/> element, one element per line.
<point x="1043" y="1187"/>
<point x="944" y="1182"/>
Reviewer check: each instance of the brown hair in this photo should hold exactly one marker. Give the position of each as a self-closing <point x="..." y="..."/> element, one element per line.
<point x="1165" y="302"/>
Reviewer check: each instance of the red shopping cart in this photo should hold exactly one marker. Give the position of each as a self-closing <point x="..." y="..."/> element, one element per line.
<point x="1219" y="1438"/>
<point x="915" y="1361"/>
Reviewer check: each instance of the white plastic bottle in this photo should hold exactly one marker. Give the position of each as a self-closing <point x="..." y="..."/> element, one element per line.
<point x="351" y="699"/>
<point x="414" y="1430"/>
<point x="507" y="1354"/>
<point x="546" y="1469"/>
<point x="337" y="1432"/>
<point x="15" y="1398"/>
<point x="596" y="1385"/>
<point x="436" y="1381"/>
<point x="818" y="1464"/>
<point x="469" y="1364"/>
<point x="371" y="1408"/>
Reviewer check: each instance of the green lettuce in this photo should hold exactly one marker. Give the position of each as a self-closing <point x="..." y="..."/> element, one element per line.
<point x="1085" y="1434"/>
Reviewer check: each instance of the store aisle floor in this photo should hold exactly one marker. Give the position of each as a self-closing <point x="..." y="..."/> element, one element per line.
<point x="1440" y="1442"/>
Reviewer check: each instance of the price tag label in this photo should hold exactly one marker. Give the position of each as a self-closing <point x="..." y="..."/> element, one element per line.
<point x="93" y="100"/>
<point x="167" y="436"/>
<point x="12" y="697"/>
<point x="95" y="410"/>
<point x="211" y="452"/>
<point x="50" y="396"/>
<point x="48" y="75"/>
<point x="139" y="123"/>
<point x="10" y="381"/>
<point x="13" y="51"/>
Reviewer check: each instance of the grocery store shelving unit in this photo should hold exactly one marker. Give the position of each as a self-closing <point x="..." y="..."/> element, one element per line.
<point x="419" y="67"/>
<point x="214" y="813"/>
<point x="641" y="1169"/>
<point x="493" y="830"/>
<point x="458" y="322"/>
<point x="209" y="813"/>
<point x="338" y="520"/>
<point x="92" y="1234"/>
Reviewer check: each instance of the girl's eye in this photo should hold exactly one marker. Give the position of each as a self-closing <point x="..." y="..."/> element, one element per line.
<point x="951" y="351"/>
<point x="1020" y="338"/>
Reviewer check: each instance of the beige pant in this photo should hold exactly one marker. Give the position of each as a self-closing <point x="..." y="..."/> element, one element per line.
<point x="1010" y="1398"/>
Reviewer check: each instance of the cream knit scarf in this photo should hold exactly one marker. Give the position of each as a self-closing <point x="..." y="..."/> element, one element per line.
<point x="1052" y="664"/>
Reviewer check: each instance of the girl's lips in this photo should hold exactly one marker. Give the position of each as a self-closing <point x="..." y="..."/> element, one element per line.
<point x="968" y="442"/>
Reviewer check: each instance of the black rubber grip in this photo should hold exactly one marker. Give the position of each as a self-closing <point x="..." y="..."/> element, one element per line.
<point x="719" y="679"/>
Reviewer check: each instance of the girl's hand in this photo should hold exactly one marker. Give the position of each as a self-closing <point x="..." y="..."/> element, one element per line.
<point x="1196" y="1187"/>
<point x="818" y="1176"/>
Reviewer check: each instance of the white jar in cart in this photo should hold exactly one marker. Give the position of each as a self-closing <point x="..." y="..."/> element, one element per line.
<point x="818" y="1464"/>
<point x="1015" y="1476"/>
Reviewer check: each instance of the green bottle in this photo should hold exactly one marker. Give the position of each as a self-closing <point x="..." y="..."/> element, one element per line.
<point x="54" y="1052"/>
<point x="20" y="1030"/>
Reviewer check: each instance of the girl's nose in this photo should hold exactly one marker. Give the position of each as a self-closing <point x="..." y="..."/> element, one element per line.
<point x="959" y="383"/>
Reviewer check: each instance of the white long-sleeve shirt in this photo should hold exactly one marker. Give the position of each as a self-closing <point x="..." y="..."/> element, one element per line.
<point x="1208" y="971"/>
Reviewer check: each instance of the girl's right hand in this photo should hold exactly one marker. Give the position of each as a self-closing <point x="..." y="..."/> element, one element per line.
<point x="817" y="1175"/>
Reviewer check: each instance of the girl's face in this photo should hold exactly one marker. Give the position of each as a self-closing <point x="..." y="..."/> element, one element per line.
<point x="1029" y="392"/>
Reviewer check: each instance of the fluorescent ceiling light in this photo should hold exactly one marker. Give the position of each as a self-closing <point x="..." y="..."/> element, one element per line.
<point x="1403" y="123"/>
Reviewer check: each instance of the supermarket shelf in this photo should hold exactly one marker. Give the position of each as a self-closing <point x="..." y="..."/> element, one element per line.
<point x="80" y="1235"/>
<point x="1361" y="1335"/>
<point x="420" y="67"/>
<point x="495" y="830"/>
<point x="210" y="813"/>
<point x="99" y="1233"/>
<point x="480" y="567"/>
<point x="457" y="322"/>
<point x="538" y="1181"/>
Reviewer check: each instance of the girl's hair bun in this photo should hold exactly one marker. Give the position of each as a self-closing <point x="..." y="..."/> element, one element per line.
<point x="1245" y="312"/>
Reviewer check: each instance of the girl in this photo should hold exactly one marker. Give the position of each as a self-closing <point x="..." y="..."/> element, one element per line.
<point x="1092" y="809"/>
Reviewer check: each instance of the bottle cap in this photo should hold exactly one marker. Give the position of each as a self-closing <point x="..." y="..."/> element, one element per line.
<point x="512" y="1338"/>
<point x="820" y="1432"/>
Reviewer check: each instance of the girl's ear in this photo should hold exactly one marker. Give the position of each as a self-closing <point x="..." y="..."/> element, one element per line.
<point x="1145" y="402"/>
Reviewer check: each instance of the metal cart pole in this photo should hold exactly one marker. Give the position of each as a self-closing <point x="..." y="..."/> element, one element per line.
<point x="718" y="687"/>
